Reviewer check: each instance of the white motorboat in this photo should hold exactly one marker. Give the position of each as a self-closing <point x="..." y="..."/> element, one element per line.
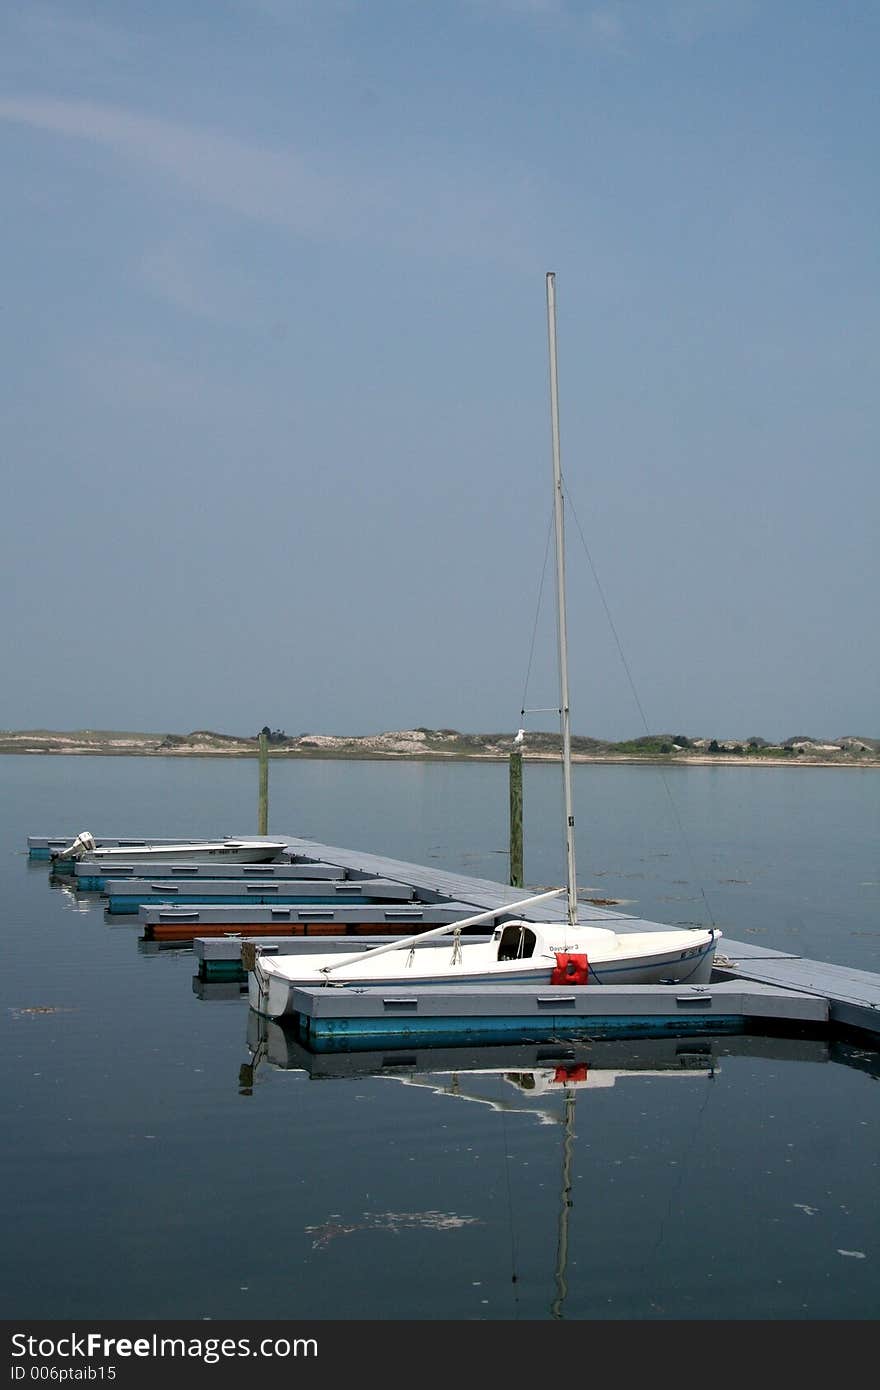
<point x="258" y="851"/>
<point x="520" y="951"/>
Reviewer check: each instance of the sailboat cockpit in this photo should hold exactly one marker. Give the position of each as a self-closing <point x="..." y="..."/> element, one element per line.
<point x="515" y="941"/>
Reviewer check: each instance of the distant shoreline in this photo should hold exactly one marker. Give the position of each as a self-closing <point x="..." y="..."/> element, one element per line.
<point x="387" y="748"/>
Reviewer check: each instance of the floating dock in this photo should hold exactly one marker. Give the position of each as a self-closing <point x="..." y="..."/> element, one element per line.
<point x="329" y="1019"/>
<point x="168" y="923"/>
<point x="130" y="894"/>
<point x="752" y="988"/>
<point x="92" y="878"/>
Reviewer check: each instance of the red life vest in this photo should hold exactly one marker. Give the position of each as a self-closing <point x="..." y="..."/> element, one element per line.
<point x="571" y="969"/>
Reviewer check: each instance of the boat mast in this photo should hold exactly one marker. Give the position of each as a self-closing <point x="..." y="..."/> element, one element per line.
<point x="560" y="605"/>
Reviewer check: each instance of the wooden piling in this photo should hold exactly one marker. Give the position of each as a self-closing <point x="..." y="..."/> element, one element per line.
<point x="263" y="810"/>
<point x="516" y="807"/>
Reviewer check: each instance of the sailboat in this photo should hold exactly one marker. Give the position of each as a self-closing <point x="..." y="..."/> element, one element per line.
<point x="519" y="951"/>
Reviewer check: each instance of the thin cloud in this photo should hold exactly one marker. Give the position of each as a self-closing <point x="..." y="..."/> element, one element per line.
<point x="244" y="178"/>
<point x="423" y="208"/>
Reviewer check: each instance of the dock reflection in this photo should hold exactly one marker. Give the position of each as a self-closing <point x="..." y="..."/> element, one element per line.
<point x="532" y="1071"/>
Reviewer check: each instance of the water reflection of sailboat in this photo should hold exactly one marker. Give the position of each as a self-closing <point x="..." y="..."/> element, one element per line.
<point x="533" y="1075"/>
<point x="541" y="1069"/>
<point x="561" y="1273"/>
<point x="540" y="1081"/>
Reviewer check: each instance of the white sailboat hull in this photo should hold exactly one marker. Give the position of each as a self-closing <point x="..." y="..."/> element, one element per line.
<point x="638" y="958"/>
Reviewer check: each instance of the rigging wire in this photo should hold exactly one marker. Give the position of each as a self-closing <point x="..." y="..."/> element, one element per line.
<point x="632" y="685"/>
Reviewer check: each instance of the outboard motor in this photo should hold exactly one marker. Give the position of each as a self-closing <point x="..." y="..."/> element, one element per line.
<point x="83" y="844"/>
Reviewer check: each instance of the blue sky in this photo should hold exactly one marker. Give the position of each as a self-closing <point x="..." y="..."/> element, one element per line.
<point x="276" y="442"/>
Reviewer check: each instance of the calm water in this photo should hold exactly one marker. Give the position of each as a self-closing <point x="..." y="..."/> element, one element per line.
<point x="165" y="1157"/>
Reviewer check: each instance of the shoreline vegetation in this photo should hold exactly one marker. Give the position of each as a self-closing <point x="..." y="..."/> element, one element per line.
<point x="424" y="744"/>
